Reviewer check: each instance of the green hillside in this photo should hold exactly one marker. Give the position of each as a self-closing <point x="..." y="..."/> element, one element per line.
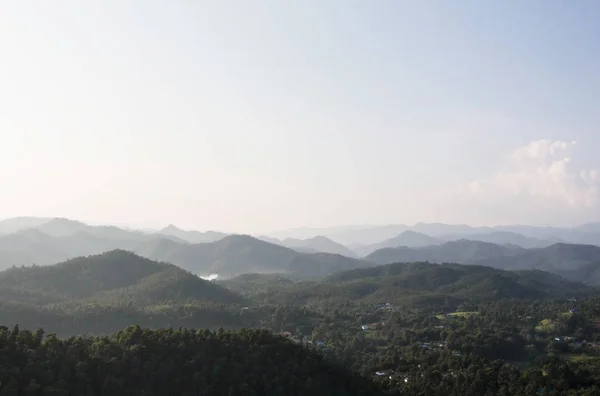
<point x="102" y="293"/>
<point x="170" y="362"/>
<point x="462" y="251"/>
<point x="111" y="274"/>
<point x="416" y="284"/>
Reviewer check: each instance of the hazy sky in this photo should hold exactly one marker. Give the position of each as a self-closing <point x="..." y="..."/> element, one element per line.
<point x="258" y="115"/>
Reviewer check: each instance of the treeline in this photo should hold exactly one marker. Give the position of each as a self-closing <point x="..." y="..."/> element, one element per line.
<point x="178" y="362"/>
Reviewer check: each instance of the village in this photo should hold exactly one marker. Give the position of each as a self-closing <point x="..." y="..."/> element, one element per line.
<point x="567" y="345"/>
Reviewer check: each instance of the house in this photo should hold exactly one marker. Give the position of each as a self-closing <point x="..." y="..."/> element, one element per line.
<point x="382" y="373"/>
<point x="386" y="307"/>
<point x="376" y="325"/>
<point x="365" y="327"/>
<point x="425" y="345"/>
<point x="286" y="334"/>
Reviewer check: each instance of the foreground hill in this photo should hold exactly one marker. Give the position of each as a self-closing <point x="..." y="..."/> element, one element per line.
<point x="462" y="251"/>
<point x="238" y="254"/>
<point x="421" y="284"/>
<point x="113" y="274"/>
<point x="172" y="362"/>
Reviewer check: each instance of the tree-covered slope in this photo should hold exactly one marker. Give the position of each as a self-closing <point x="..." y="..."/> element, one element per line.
<point x="462" y="251"/>
<point x="108" y="275"/>
<point x="554" y="258"/>
<point x="170" y="362"/>
<point x="238" y="254"/>
<point x="411" y="284"/>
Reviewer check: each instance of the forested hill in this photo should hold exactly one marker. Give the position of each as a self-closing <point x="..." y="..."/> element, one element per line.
<point x="112" y="275"/>
<point x="104" y="293"/>
<point x="170" y="362"/>
<point x="239" y="254"/>
<point x="415" y="284"/>
<point x="477" y="282"/>
<point x="462" y="251"/>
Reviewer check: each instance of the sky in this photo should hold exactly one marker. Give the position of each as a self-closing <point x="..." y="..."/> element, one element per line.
<point x="251" y="116"/>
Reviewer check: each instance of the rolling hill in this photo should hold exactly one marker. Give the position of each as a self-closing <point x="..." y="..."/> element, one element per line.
<point x="414" y="285"/>
<point x="404" y="239"/>
<point x="111" y="275"/>
<point x="456" y="279"/>
<point x="588" y="273"/>
<point x="462" y="251"/>
<point x="570" y="261"/>
<point x="505" y="238"/>
<point x="192" y="236"/>
<point x="318" y="244"/>
<point x="15" y="224"/>
<point x="560" y="257"/>
<point x="368" y="235"/>
<point x="238" y="254"/>
<point x="33" y="246"/>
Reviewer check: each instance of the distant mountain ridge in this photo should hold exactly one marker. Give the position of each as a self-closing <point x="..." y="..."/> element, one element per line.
<point x="30" y="240"/>
<point x="238" y="254"/>
<point x="571" y="261"/>
<point x="404" y="239"/>
<point x="462" y="252"/>
<point x="368" y="235"/>
<point x="317" y="244"/>
<point x="192" y="236"/>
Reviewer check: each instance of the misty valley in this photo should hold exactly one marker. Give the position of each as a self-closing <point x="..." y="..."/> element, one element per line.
<point x="430" y="309"/>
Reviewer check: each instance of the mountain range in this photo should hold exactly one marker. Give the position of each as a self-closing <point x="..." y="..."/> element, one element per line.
<point x="237" y="254"/>
<point x="525" y="236"/>
<point x="45" y="241"/>
<point x="572" y="261"/>
<point x="411" y="285"/>
<point x="315" y="244"/>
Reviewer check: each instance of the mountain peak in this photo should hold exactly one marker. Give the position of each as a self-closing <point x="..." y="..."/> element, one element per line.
<point x="170" y="228"/>
<point x="320" y="238"/>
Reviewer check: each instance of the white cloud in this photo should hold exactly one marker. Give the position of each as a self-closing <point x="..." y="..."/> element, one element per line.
<point x="537" y="181"/>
